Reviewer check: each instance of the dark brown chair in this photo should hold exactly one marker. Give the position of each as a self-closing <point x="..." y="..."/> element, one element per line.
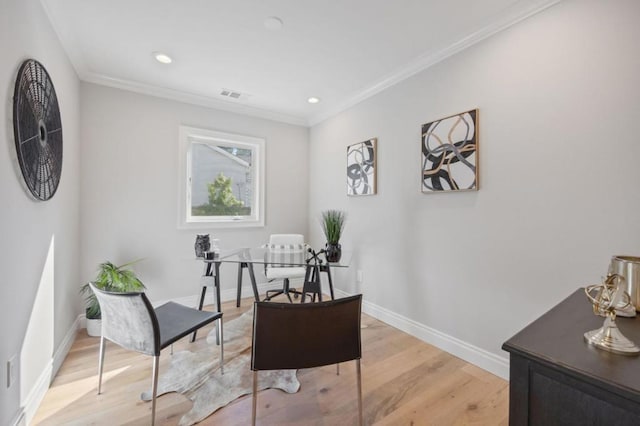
<point x="292" y="336"/>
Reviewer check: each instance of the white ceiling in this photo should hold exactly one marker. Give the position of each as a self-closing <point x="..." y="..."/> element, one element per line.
<point x="340" y="51"/>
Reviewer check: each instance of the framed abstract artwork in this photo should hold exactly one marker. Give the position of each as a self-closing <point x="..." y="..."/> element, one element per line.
<point x="361" y="168"/>
<point x="450" y="153"/>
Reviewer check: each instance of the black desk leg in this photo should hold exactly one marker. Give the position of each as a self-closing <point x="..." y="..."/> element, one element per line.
<point x="209" y="271"/>
<point x="316" y="276"/>
<point x="304" y="285"/>
<point x="217" y="283"/>
<point x="239" y="296"/>
<point x="218" y="302"/>
<point x="312" y="285"/>
<point x="327" y="269"/>
<point x="202" y="295"/>
<point x="252" y="276"/>
<point x="253" y="282"/>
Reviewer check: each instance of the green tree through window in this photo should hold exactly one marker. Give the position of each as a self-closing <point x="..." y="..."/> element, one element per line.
<point x="222" y="202"/>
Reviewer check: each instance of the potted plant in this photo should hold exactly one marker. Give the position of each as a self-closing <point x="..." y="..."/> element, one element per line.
<point x="112" y="278"/>
<point x="332" y="224"/>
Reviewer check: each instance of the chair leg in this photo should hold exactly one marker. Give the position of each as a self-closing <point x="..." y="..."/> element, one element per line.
<point x="254" y="398"/>
<point x="154" y="388"/>
<point x="221" y="346"/>
<point x="101" y="363"/>
<point x="286" y="289"/>
<point x="359" y="374"/>
<point x="337" y="369"/>
<point x="267" y="298"/>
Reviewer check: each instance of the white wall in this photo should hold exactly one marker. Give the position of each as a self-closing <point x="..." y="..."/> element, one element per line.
<point x="27" y="226"/>
<point x="129" y="188"/>
<point x="559" y="103"/>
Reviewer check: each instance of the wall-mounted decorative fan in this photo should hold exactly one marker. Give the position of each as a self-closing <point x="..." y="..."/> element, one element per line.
<point x="37" y="129"/>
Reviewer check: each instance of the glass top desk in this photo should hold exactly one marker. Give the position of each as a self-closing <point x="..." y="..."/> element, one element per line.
<point x="247" y="257"/>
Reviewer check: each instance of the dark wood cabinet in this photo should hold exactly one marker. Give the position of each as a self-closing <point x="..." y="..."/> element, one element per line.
<point x="556" y="378"/>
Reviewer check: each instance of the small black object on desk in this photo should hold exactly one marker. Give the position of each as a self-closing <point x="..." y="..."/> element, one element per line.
<point x="556" y="378"/>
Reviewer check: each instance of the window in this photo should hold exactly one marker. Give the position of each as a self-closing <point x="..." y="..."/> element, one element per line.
<point x="221" y="179"/>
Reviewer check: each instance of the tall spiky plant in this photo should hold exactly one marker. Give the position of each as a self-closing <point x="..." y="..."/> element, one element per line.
<point x="332" y="225"/>
<point x="112" y="278"/>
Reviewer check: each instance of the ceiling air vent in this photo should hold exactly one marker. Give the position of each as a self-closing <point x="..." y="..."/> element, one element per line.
<point x="233" y="94"/>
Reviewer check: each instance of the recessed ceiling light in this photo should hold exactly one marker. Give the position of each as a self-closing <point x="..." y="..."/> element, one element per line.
<point x="313" y="100"/>
<point x="273" y="23"/>
<point x="163" y="58"/>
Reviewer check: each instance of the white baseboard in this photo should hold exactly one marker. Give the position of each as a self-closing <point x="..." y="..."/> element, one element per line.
<point x="62" y="351"/>
<point x="19" y="420"/>
<point x="486" y="360"/>
<point x="37" y="392"/>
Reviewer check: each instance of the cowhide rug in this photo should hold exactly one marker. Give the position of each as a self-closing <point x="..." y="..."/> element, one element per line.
<point x="197" y="374"/>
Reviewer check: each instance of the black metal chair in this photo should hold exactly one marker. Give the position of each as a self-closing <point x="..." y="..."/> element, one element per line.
<point x="292" y="336"/>
<point x="129" y="320"/>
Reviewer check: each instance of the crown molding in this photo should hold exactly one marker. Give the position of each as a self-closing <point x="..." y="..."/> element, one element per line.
<point x="500" y="23"/>
<point x="192" y="98"/>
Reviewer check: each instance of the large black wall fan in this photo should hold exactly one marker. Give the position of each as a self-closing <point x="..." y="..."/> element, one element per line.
<point x="37" y="129"/>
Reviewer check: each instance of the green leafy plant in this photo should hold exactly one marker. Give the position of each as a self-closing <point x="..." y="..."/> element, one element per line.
<point x="111" y="278"/>
<point x="332" y="225"/>
<point x="222" y="202"/>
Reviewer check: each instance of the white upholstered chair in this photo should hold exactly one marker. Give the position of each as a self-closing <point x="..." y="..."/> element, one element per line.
<point x="280" y="247"/>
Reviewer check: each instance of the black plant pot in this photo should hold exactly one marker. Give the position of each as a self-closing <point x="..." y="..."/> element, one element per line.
<point x="333" y="252"/>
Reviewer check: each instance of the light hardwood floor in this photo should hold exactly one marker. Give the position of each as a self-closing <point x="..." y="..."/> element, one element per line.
<point x="405" y="382"/>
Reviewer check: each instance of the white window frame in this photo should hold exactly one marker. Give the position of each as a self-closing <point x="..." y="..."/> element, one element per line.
<point x="189" y="135"/>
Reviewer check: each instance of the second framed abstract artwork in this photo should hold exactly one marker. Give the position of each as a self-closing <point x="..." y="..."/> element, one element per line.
<point x="450" y="153"/>
<point x="361" y="168"/>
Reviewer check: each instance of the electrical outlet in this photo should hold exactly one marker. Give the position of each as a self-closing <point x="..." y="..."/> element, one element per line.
<point x="11" y="371"/>
<point x="359" y="276"/>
